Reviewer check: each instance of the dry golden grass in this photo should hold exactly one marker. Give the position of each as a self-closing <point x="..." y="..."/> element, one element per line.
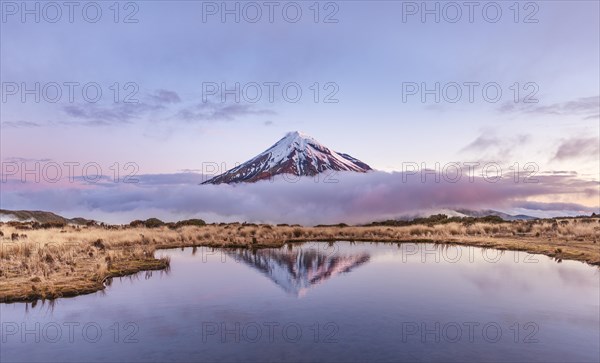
<point x="55" y="262"/>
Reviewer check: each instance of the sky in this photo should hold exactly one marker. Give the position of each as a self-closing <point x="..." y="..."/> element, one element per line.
<point x="393" y="83"/>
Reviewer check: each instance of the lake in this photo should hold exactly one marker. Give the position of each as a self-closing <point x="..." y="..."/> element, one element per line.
<point x="342" y="301"/>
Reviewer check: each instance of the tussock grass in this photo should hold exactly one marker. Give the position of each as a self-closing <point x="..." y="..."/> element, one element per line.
<point x="71" y="260"/>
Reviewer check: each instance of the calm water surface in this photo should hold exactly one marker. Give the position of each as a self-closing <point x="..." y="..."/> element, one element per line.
<point x="324" y="302"/>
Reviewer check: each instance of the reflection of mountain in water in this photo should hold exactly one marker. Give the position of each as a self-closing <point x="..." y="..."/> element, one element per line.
<point x="296" y="270"/>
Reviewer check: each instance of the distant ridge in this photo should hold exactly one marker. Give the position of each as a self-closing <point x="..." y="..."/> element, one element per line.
<point x="38" y="216"/>
<point x="490" y="212"/>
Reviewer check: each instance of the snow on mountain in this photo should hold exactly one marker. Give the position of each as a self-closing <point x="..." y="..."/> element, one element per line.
<point x="297" y="154"/>
<point x="297" y="270"/>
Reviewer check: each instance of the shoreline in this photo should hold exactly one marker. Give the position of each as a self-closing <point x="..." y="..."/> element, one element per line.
<point x="79" y="266"/>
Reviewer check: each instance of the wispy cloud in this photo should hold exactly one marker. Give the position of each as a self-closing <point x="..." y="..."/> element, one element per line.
<point x="482" y="142"/>
<point x="489" y="146"/>
<point x="578" y="148"/>
<point x="586" y="107"/>
<point x="95" y="114"/>
<point x="213" y="111"/>
<point x="18" y="159"/>
<point x="122" y="112"/>
<point x="559" y="172"/>
<point x="20" y="124"/>
<point x="163" y="96"/>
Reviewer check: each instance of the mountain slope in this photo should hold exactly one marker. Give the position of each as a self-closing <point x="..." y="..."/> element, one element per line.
<point x="297" y="154"/>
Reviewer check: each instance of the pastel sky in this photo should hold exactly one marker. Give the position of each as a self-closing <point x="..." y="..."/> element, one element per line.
<point x="367" y="55"/>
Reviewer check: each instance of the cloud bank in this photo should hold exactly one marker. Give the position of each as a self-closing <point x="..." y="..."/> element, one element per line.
<point x="341" y="197"/>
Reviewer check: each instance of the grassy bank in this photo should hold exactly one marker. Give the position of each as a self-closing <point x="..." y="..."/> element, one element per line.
<point x="51" y="261"/>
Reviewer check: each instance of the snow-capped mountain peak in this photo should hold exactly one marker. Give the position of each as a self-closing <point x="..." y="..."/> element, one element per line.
<point x="297" y="154"/>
